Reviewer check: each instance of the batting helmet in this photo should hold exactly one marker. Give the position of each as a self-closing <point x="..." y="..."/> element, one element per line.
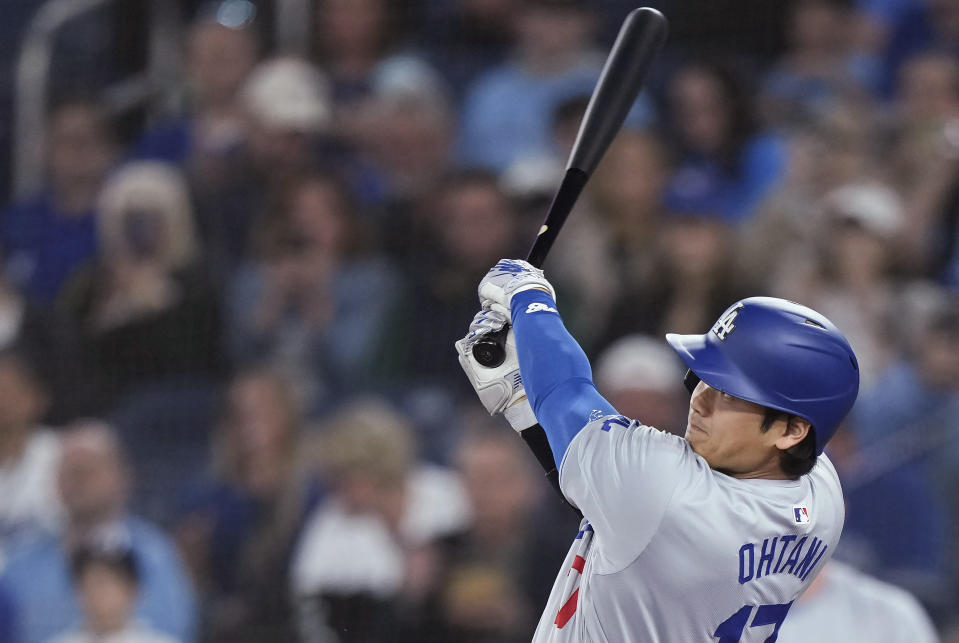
<point x="778" y="354"/>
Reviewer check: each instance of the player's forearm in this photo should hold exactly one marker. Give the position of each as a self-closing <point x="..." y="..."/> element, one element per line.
<point x="556" y="372"/>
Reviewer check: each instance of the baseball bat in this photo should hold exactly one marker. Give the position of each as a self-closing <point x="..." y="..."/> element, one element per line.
<point x="639" y="40"/>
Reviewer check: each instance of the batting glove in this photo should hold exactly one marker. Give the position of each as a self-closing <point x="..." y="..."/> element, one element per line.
<point x="505" y="279"/>
<point x="500" y="389"/>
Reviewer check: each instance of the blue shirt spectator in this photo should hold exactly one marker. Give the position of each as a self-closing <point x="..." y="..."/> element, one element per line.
<point x="94" y="487"/>
<point x="45" y="238"/>
<point x="506" y="112"/>
<point x="43" y="245"/>
<point x="42" y="593"/>
<point x="727" y="164"/>
<point x="909" y="419"/>
<point x="701" y="185"/>
<point x="465" y="39"/>
<point x="902" y="402"/>
<point x="221" y="50"/>
<point x="170" y="142"/>
<point x="314" y="304"/>
<point x="896" y="527"/>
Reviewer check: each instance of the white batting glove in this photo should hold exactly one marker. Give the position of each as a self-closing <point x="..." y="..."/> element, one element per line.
<point x="500" y="389"/>
<point x="505" y="279"/>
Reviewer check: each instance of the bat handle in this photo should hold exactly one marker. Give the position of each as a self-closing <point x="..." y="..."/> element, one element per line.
<point x="490" y="351"/>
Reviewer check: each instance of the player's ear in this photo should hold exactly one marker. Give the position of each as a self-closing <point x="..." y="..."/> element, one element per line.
<point x="793" y="433"/>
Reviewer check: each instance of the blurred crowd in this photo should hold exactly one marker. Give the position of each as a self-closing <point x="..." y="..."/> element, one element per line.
<point x="231" y="410"/>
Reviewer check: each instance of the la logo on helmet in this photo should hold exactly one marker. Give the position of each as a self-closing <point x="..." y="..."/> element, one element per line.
<point x="726" y="323"/>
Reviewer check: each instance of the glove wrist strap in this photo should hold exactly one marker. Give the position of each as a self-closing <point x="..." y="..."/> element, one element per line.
<point x="520" y="415"/>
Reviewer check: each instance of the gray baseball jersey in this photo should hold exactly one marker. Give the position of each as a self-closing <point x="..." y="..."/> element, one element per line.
<point x="673" y="551"/>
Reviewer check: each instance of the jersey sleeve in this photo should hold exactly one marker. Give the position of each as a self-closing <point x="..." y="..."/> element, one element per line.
<point x="622" y="475"/>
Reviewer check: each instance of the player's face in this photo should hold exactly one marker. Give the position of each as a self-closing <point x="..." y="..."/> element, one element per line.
<point x="726" y="431"/>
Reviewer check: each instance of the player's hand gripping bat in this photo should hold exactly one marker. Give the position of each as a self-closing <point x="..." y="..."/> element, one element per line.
<point x="640" y="38"/>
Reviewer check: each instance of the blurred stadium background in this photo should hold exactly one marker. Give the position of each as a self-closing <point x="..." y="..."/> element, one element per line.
<point x="240" y="237"/>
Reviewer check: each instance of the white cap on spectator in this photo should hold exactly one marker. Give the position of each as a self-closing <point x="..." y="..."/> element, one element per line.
<point x="874" y="206"/>
<point x="637" y="362"/>
<point x="288" y="93"/>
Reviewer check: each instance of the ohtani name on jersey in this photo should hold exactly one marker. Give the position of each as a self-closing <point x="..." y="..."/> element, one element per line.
<point x="787" y="554"/>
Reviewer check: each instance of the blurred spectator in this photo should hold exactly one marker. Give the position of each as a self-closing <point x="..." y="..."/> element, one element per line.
<point x="352" y="37"/>
<point x="316" y="305"/>
<point x="47" y="236"/>
<point x="107" y="581"/>
<point x="896" y="522"/>
<point x="83" y="58"/>
<point x="843" y="605"/>
<point x="29" y="453"/>
<point x="145" y="308"/>
<point x="503" y="112"/>
<point x="405" y="131"/>
<point x="925" y="159"/>
<point x="468" y="224"/>
<point x="832" y="149"/>
<point x="288" y="104"/>
<point x="727" y="165"/>
<point x="492" y="578"/>
<point x="911" y="415"/>
<point x="467" y="37"/>
<point x="696" y="277"/>
<point x="919" y="394"/>
<point x="93" y="484"/>
<point x="238" y="528"/>
<point x="611" y="247"/>
<point x="359" y="45"/>
<point x="926" y="166"/>
<point x="859" y="228"/>
<point x="820" y="65"/>
<point x="219" y="56"/>
<point x="642" y="379"/>
<point x="287" y="108"/>
<point x="357" y="552"/>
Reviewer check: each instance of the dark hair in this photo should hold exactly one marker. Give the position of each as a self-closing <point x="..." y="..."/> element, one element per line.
<point x="393" y="31"/>
<point x="120" y="560"/>
<point x="466" y="176"/>
<point x="797" y="460"/>
<point x="742" y="122"/>
<point x="276" y="234"/>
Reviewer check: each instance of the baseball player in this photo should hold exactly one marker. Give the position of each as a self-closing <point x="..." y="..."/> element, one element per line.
<point x="707" y="537"/>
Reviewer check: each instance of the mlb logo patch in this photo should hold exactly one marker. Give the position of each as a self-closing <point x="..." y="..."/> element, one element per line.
<point x="802" y="515"/>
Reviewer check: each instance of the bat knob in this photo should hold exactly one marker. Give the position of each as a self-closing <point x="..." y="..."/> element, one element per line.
<point x="490" y="351"/>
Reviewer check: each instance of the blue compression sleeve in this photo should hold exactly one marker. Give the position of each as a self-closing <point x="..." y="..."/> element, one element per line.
<point x="556" y="373"/>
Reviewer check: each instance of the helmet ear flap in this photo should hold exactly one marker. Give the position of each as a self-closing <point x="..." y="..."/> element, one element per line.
<point x="690" y="380"/>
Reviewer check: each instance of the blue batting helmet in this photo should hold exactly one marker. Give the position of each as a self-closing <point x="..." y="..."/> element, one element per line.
<point x="778" y="354"/>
